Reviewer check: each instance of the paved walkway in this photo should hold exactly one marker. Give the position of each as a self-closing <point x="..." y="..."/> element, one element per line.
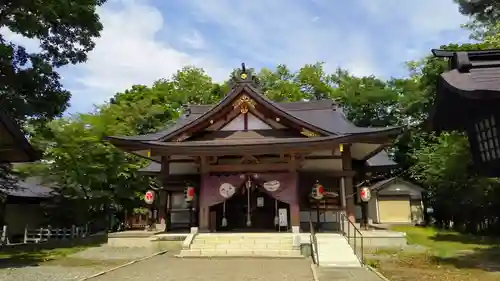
<point x="346" y="274"/>
<point x="167" y="268"/>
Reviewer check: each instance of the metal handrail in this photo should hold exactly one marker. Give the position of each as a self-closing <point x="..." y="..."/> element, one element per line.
<point x="356" y="233"/>
<point x="314" y="243"/>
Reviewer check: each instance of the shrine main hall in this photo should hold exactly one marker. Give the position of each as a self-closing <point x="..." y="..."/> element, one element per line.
<point x="253" y="163"/>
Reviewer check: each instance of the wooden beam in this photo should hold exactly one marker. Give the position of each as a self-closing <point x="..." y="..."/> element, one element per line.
<point x="204" y="165"/>
<point x="329" y="174"/>
<point x="249" y="168"/>
<point x="322" y="157"/>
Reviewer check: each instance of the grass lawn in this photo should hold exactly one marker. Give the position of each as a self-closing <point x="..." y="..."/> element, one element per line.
<point x="14" y="257"/>
<point x="440" y="255"/>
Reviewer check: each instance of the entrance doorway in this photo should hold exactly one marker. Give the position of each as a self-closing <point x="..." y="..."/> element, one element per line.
<point x="263" y="209"/>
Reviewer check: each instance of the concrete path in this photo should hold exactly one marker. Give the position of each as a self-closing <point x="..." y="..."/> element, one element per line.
<point x="335" y="251"/>
<point x="168" y="268"/>
<point x="346" y="274"/>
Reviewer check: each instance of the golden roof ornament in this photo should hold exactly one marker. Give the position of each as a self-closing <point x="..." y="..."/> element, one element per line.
<point x="244" y="76"/>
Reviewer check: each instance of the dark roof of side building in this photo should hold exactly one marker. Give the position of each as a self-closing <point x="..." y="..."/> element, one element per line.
<point x="31" y="187"/>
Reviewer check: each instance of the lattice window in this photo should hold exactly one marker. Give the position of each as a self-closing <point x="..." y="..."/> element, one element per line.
<point x="487" y="139"/>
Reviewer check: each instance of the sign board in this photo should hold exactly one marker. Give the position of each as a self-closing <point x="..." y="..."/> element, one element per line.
<point x="149" y="197"/>
<point x="364" y="194"/>
<point x="283" y="217"/>
<point x="260" y="201"/>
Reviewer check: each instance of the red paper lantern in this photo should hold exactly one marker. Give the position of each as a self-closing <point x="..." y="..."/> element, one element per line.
<point x="149" y="197"/>
<point x="318" y="191"/>
<point x="190" y="193"/>
<point x="365" y="194"/>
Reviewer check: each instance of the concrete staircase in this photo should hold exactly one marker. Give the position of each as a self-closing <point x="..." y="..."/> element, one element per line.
<point x="242" y="245"/>
<point x="335" y="251"/>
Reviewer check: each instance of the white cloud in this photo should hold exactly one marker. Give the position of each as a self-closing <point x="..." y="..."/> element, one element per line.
<point x="129" y="52"/>
<point x="194" y="40"/>
<point x="138" y="45"/>
<point x="282" y="31"/>
<point x="424" y="17"/>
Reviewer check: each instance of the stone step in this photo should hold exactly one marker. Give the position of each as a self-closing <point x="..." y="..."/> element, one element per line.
<point x="241" y="253"/>
<point x="243" y="238"/>
<point x="241" y="246"/>
<point x="238" y="241"/>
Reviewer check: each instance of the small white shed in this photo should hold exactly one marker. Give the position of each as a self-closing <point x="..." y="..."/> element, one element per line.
<point x="394" y="201"/>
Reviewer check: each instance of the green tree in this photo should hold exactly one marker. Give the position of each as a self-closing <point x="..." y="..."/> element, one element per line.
<point x="29" y="84"/>
<point x="484" y="11"/>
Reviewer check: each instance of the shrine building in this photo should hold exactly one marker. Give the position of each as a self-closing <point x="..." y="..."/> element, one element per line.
<point x="253" y="162"/>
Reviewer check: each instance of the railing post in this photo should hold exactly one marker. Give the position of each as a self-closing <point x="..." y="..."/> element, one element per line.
<point x="49" y="233"/>
<point x="355" y="238"/>
<point x="26" y="234"/>
<point x="4" y="234"/>
<point x="40" y="237"/>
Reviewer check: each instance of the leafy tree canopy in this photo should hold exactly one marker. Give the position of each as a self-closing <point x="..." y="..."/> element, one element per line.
<point x="29" y="84"/>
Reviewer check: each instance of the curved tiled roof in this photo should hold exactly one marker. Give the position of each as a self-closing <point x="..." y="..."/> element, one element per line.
<point x="324" y="114"/>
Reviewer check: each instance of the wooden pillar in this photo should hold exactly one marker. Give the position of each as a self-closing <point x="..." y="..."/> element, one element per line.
<point x="295" y="207"/>
<point x="168" y="211"/>
<point x="162" y="210"/>
<point x="165" y="196"/>
<point x="348" y="183"/>
<point x="364" y="205"/>
<point x="204" y="213"/>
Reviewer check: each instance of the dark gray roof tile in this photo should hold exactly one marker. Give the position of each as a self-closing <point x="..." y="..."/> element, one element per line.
<point x="29" y="187"/>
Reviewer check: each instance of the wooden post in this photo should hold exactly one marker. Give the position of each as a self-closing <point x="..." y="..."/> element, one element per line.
<point x="318" y="223"/>
<point x="364" y="215"/>
<point x="164" y="174"/>
<point x="73" y="233"/>
<point x="347" y="182"/>
<point x="204" y="211"/>
<point x="168" y="214"/>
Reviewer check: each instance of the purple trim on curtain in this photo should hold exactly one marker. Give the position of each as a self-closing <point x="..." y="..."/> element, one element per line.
<point x="209" y="194"/>
<point x="287" y="192"/>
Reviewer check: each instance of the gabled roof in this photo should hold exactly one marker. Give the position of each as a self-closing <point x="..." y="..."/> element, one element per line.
<point x="14" y="145"/>
<point x="323" y="119"/>
<point x="387" y="182"/>
<point x="323" y="114"/>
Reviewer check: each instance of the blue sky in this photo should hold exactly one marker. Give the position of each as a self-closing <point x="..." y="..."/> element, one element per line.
<point x="144" y="40"/>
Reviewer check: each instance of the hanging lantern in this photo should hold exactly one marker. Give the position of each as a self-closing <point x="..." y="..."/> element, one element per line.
<point x="364" y="194"/>
<point x="318" y="191"/>
<point x="190" y="193"/>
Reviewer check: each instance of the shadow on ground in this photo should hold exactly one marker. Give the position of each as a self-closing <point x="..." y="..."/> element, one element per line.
<point x="466" y="239"/>
<point x="487" y="259"/>
<point x="23" y="255"/>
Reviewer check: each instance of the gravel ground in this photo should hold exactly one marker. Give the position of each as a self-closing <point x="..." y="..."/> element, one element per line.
<point x="168" y="268"/>
<point x="76" y="266"/>
<point x="114" y="253"/>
